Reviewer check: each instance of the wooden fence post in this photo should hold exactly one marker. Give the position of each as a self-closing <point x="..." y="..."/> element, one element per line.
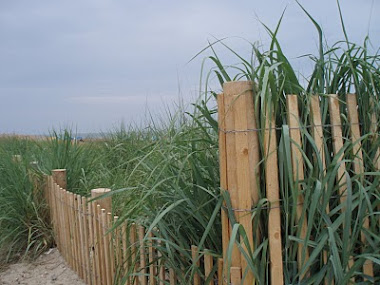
<point x="59" y="177"/>
<point x="239" y="159"/>
<point x="105" y="203"/>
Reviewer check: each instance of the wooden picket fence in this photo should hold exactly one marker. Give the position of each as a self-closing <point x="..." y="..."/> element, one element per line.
<point x="103" y="255"/>
<point x="241" y="157"/>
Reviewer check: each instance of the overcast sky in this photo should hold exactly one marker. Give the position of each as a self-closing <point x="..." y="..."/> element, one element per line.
<point x="94" y="63"/>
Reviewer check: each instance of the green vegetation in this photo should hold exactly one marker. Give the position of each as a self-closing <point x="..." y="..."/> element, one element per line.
<point x="167" y="178"/>
<point x="343" y="68"/>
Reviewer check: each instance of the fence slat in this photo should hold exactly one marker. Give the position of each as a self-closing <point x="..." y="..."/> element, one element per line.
<point x="110" y="246"/>
<point x="77" y="236"/>
<point x="133" y="250"/>
<point x="160" y="263"/>
<point x="54" y="207"/>
<point x="220" y="271"/>
<point x="78" y="227"/>
<point x="86" y="227"/>
<point x="273" y="195"/>
<point x="151" y="253"/>
<point x="358" y="165"/>
<point x="125" y="252"/>
<point x="196" y="264"/>
<point x="143" y="270"/>
<point x="63" y="217"/>
<point x="91" y="240"/>
<point x="209" y="264"/>
<point x="317" y="133"/>
<point x="235" y="275"/>
<point x="172" y="277"/>
<point x="78" y="202"/>
<point x="70" y="220"/>
<point x="223" y="169"/>
<point x="106" y="246"/>
<point x="298" y="172"/>
<point x="374" y="128"/>
<point x="337" y="141"/>
<point x="118" y="249"/>
<point x="102" y="256"/>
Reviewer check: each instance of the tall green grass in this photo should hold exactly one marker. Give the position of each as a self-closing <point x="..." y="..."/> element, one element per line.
<point x="166" y="176"/>
<point x="24" y="223"/>
<point x="343" y="68"/>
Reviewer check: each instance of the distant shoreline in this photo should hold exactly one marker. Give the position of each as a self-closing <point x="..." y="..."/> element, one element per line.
<point x="44" y="136"/>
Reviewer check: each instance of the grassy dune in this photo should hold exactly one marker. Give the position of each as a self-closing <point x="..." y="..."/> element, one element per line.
<point x="167" y="178"/>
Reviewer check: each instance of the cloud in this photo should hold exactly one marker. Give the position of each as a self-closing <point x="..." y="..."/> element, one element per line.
<point x="114" y="57"/>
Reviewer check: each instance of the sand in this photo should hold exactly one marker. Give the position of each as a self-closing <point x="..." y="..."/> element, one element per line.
<point x="49" y="268"/>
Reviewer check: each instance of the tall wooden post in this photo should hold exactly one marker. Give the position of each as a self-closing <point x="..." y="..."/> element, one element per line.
<point x="59" y="177"/>
<point x="239" y="160"/>
<point x="105" y="203"/>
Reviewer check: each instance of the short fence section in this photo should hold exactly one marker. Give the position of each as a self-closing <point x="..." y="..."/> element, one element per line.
<point x="103" y="254"/>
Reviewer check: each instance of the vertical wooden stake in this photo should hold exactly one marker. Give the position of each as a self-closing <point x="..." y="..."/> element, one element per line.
<point x="86" y="246"/>
<point x="337" y="141"/>
<point x="105" y="203"/>
<point x="125" y="253"/>
<point x="118" y="250"/>
<point x="102" y="255"/>
<point x="223" y="170"/>
<point x="358" y="163"/>
<point x="209" y="264"/>
<point x="143" y="269"/>
<point x="59" y="177"/>
<point x="172" y="277"/>
<point x="317" y="132"/>
<point x="298" y="172"/>
<point x="152" y="271"/>
<point x="235" y="275"/>
<point x="273" y="195"/>
<point x="106" y="247"/>
<point x="160" y="262"/>
<point x="110" y="247"/>
<point x="220" y="272"/>
<point x="133" y="246"/>
<point x="197" y="263"/>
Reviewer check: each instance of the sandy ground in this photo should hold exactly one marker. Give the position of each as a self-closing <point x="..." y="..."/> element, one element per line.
<point x="49" y="268"/>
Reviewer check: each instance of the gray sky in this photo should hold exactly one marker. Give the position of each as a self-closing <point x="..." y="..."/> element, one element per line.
<point x="93" y="63"/>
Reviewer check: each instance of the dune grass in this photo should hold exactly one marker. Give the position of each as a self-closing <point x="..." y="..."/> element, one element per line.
<point x="343" y="68"/>
<point x="167" y="178"/>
